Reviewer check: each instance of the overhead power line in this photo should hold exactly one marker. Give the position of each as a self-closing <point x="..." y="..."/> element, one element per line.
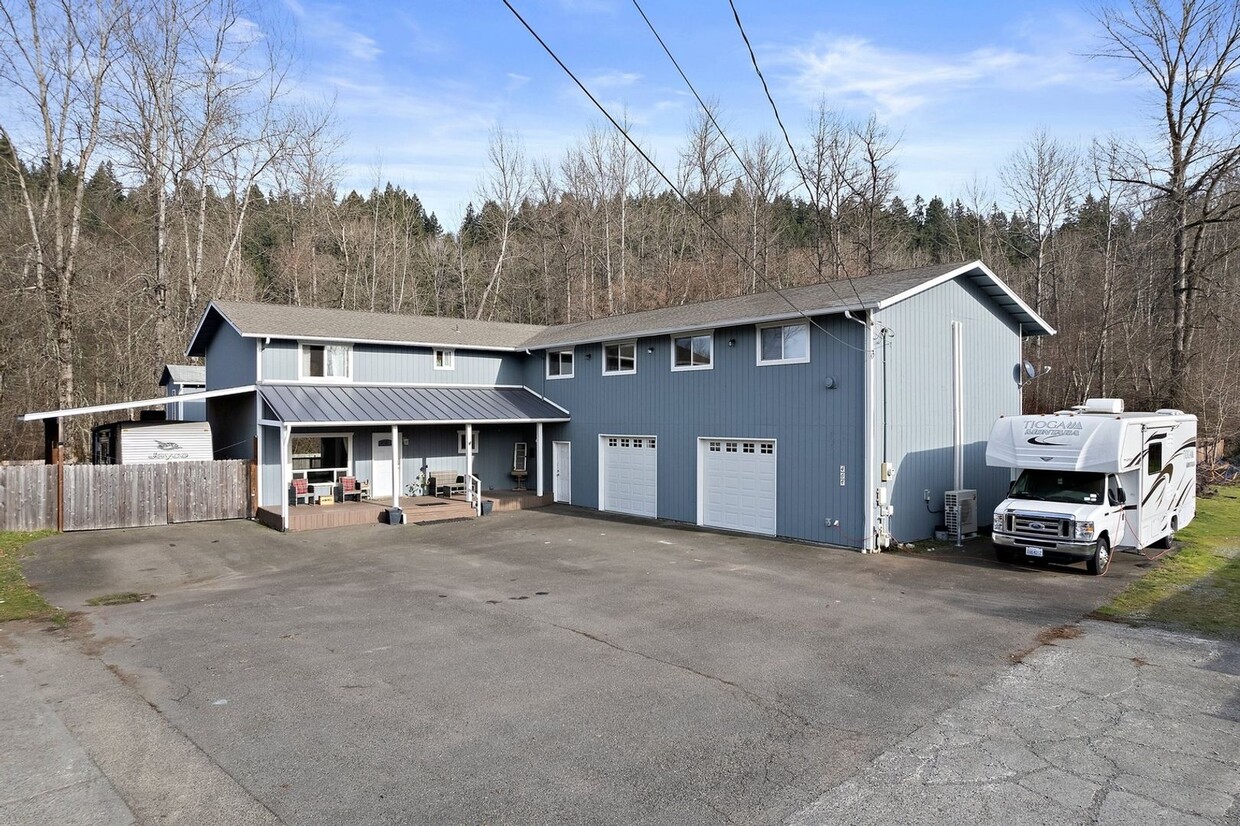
<point x="814" y="192"/>
<point x="671" y="185"/>
<point x="719" y="127"/>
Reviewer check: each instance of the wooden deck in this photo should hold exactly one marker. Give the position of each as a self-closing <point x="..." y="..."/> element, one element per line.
<point x="418" y="510"/>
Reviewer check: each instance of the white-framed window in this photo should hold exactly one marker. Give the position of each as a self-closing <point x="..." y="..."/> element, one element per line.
<point x="321" y="457"/>
<point x="560" y="364"/>
<point x="693" y="351"/>
<point x="460" y="442"/>
<point x="620" y="358"/>
<point x="444" y="359"/>
<point x="783" y="343"/>
<point x="325" y="362"/>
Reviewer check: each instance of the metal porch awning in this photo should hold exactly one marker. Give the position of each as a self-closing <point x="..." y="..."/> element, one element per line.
<point x="130" y="405"/>
<point x="360" y="404"/>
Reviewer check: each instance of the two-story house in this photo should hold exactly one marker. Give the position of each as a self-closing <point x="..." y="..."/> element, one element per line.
<point x="836" y="413"/>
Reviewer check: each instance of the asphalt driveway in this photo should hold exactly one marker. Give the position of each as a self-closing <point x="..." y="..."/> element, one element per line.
<point x="550" y="665"/>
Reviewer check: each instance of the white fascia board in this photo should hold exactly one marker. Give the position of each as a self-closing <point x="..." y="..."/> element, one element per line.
<point x="385" y="342"/>
<point x="158" y="401"/>
<point x="411" y="384"/>
<point x="715" y="326"/>
<point x="548" y="401"/>
<point x="967" y="268"/>
<point x="414" y="422"/>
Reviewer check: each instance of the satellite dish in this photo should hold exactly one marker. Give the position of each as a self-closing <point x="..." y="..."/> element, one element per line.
<point x="1026" y="372"/>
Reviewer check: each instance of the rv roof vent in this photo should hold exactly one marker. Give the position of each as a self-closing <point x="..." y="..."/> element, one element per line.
<point x="1104" y="405"/>
<point x="1169" y="411"/>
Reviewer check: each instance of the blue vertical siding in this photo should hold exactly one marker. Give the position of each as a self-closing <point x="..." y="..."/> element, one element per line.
<point x="817" y="429"/>
<point x="274" y="485"/>
<point x="919" y="400"/>
<point x="409" y="365"/>
<point x="229" y="359"/>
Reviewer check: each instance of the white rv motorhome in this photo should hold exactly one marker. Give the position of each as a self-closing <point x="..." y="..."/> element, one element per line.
<point x="1093" y="480"/>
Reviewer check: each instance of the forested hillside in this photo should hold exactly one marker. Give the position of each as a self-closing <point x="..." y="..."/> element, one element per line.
<point x="147" y="181"/>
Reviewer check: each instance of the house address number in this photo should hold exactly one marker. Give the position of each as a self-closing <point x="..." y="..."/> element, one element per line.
<point x="841" y="476"/>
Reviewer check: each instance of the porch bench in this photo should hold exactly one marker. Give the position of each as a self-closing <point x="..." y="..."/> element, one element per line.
<point x="444" y="487"/>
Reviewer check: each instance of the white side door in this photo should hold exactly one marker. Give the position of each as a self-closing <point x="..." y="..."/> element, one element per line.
<point x="737" y="484"/>
<point x="628" y="475"/>
<point x="562" y="471"/>
<point x="381" y="465"/>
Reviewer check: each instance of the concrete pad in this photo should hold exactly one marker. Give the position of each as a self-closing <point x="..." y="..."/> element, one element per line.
<point x="1083" y="732"/>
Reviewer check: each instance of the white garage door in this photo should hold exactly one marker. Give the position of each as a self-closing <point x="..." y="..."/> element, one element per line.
<point x="628" y="474"/>
<point x="736" y="490"/>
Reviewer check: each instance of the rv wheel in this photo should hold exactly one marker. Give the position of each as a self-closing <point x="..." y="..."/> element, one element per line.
<point x="1165" y="543"/>
<point x="1101" y="560"/>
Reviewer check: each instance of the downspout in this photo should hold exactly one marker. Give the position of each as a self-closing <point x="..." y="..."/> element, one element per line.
<point x="868" y="542"/>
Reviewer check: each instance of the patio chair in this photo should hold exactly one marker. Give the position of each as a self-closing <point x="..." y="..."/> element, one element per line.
<point x="349" y="488"/>
<point x="301" y="490"/>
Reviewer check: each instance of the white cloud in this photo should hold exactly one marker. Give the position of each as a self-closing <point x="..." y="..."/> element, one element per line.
<point x="612" y="79"/>
<point x="895" y="82"/>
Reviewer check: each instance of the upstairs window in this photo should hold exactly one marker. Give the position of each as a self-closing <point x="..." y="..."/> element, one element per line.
<point x="444" y="359"/>
<point x="783" y="343"/>
<point x="560" y="364"/>
<point x="329" y="362"/>
<point x="692" y="352"/>
<point x="619" y="359"/>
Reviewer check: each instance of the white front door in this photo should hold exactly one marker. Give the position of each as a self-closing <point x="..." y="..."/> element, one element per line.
<point x="381" y="465"/>
<point x="737" y="484"/>
<point x="562" y="470"/>
<point x="628" y="475"/>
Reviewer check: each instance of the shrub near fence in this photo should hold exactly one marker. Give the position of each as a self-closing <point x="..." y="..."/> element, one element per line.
<point x="124" y="496"/>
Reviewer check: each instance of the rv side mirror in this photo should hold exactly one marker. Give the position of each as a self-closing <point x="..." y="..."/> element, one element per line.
<point x="1116" y="496"/>
<point x="1121" y="496"/>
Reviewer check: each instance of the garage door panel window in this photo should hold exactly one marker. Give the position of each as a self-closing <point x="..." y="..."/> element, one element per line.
<point x="783" y="343"/>
<point x="620" y="359"/>
<point x="693" y="352"/>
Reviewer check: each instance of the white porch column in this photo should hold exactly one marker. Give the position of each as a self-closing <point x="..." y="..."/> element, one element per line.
<point x="397" y="487"/>
<point x="469" y="456"/>
<point x="538" y="454"/>
<point x="286" y="473"/>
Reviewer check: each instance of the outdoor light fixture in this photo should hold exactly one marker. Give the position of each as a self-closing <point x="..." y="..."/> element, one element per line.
<point x="589" y="356"/>
<point x="649" y="349"/>
<point x="731" y="342"/>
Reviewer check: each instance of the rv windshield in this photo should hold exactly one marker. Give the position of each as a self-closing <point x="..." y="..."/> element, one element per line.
<point x="1060" y="486"/>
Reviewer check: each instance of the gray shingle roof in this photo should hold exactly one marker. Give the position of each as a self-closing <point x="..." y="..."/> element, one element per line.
<point x="355" y="403"/>
<point x="192" y="374"/>
<point x="868" y="292"/>
<point x="286" y="321"/>
<point x="833" y="296"/>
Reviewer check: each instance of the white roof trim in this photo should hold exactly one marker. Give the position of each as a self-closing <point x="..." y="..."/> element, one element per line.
<point x="389" y="422"/>
<point x="392" y="343"/>
<point x="959" y="271"/>
<point x="158" y="401"/>
<point x="211" y="305"/>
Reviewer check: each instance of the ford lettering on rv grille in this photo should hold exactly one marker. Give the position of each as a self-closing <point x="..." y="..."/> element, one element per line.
<point x="1043" y="527"/>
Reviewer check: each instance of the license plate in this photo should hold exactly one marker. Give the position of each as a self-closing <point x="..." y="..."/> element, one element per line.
<point x="1033" y="551"/>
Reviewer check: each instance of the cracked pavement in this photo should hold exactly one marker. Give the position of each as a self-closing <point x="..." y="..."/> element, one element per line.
<point x="553" y="666"/>
<point x="1116" y="726"/>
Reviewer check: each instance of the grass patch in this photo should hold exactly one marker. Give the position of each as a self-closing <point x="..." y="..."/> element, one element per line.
<point x="119" y="599"/>
<point x="1197" y="589"/>
<point x="18" y="601"/>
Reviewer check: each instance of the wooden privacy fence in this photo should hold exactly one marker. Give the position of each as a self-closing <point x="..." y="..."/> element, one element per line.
<point x="27" y="497"/>
<point x="125" y="496"/>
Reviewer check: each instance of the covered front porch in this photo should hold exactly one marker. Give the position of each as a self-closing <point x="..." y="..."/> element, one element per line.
<point x="329" y="461"/>
<point x="417" y="510"/>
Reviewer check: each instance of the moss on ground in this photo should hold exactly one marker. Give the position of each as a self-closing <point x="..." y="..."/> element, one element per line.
<point x="18" y="601"/>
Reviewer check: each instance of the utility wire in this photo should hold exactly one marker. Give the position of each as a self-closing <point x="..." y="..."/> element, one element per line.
<point x="727" y="242"/>
<point x="711" y="115"/>
<point x="814" y="191"/>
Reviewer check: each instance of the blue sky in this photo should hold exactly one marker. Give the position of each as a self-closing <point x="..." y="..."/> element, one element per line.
<point x="418" y="85"/>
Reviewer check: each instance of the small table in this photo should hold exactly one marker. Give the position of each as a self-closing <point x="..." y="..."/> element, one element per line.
<point x="322" y="489"/>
